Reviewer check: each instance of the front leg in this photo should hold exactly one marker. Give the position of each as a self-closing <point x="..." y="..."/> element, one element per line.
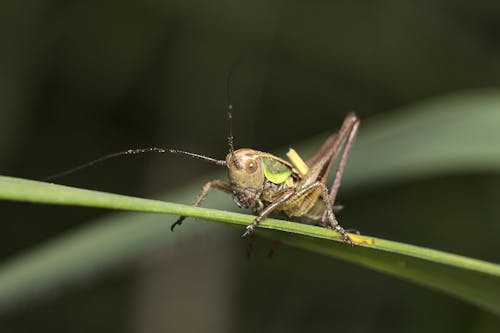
<point x="259" y="206"/>
<point x="266" y="211"/>
<point x="217" y="184"/>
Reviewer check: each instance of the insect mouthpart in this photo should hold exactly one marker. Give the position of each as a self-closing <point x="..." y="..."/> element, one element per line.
<point x="245" y="197"/>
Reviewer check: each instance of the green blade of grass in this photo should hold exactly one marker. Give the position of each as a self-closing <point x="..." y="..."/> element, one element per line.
<point x="472" y="280"/>
<point x="452" y="134"/>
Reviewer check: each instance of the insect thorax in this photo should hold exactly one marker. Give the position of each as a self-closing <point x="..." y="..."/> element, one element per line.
<point x="306" y="205"/>
<point x="272" y="191"/>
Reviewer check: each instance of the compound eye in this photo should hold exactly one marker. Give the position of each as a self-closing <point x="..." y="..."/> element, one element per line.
<point x="251" y="166"/>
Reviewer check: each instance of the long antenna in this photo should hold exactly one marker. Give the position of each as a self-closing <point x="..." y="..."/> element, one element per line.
<point x="134" y="152"/>
<point x="230" y="138"/>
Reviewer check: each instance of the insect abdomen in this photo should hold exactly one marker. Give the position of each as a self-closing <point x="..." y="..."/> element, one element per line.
<point x="302" y="206"/>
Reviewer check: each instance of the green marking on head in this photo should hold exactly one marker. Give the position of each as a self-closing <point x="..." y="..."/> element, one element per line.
<point x="275" y="171"/>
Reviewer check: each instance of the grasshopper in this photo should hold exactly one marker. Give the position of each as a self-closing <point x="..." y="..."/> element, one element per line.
<point x="268" y="184"/>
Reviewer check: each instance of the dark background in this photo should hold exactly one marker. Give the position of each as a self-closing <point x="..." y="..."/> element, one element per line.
<point x="82" y="79"/>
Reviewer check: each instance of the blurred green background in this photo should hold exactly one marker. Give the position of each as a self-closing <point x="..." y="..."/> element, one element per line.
<point x="82" y="79"/>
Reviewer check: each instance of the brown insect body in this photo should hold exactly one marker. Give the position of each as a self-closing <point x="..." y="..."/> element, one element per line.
<point x="267" y="183"/>
<point x="251" y="188"/>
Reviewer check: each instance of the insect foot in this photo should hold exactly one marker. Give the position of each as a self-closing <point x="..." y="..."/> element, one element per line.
<point x="333" y="224"/>
<point x="248" y="231"/>
<point x="343" y="233"/>
<point x="176" y="223"/>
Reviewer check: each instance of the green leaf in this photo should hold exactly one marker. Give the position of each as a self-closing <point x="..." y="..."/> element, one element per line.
<point x="472" y="280"/>
<point x="453" y="134"/>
